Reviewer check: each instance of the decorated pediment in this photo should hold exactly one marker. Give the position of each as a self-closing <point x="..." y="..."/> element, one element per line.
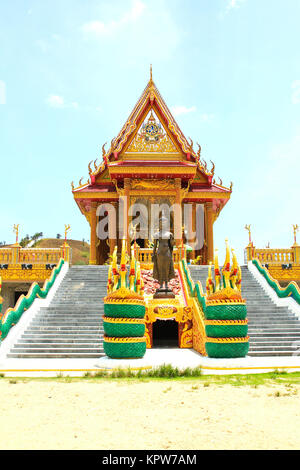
<point x="103" y="177"/>
<point x="200" y="177"/>
<point x="152" y="138"/>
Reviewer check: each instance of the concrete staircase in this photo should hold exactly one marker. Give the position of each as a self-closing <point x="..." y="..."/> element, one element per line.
<point x="71" y="327"/>
<point x="273" y="331"/>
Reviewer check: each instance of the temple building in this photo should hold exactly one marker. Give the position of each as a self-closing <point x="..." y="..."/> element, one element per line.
<point x="150" y="161"/>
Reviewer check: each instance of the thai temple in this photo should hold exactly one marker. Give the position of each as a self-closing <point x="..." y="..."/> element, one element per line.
<point x="151" y="161"/>
<point x="137" y="291"/>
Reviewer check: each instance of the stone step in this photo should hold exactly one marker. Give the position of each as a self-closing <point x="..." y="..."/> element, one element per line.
<point x="64" y="322"/>
<point x="64" y="341"/>
<point x="54" y="355"/>
<point x="279" y="342"/>
<point x="292" y="336"/>
<point x="272" y="329"/>
<point x="269" y="347"/>
<point x="63" y="329"/>
<point x="71" y="327"/>
<point x="77" y="308"/>
<point x="69" y="316"/>
<point x="268" y="353"/>
<point x="57" y="350"/>
<point x="65" y="335"/>
<point x="58" y="345"/>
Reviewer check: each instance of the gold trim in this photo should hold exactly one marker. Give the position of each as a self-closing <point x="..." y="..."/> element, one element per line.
<point x="137" y="339"/>
<point x="140" y="321"/>
<point x="96" y="195"/>
<point x="227" y="340"/>
<point x="226" y="322"/>
<point x="152" y="169"/>
<point x="207" y="195"/>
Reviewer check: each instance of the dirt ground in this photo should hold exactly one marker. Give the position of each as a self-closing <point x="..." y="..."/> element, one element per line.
<point x="147" y="414"/>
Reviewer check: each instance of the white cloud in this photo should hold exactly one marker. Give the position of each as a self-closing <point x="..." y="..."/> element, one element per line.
<point x="178" y="110"/>
<point x="99" y="28"/>
<point x="56" y="101"/>
<point x="206" y="117"/>
<point x="234" y="4"/>
<point x="2" y="92"/>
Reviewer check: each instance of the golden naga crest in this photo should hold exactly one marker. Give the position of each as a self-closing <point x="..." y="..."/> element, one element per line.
<point x="225" y="294"/>
<point x="123" y="293"/>
<point x="227" y="283"/>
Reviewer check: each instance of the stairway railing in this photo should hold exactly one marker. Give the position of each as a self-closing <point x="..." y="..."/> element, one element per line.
<point x="220" y="325"/>
<point x="13" y="315"/>
<point x="197" y="298"/>
<point x="292" y="290"/>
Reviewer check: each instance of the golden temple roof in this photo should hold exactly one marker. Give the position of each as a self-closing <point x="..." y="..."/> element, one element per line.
<point x="150" y="96"/>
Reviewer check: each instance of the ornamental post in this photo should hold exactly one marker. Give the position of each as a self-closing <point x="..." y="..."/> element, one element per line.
<point x="93" y="224"/>
<point x="178" y="214"/>
<point x="296" y="247"/>
<point x="127" y="187"/>
<point x="210" y="234"/>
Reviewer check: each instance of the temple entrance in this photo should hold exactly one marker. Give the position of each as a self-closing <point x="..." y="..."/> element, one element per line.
<point x="165" y="334"/>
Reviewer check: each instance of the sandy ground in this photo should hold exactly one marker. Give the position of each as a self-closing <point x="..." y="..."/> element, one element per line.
<point x="161" y="414"/>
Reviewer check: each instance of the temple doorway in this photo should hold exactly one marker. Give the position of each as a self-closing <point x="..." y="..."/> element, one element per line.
<point x="140" y="242"/>
<point x="165" y="334"/>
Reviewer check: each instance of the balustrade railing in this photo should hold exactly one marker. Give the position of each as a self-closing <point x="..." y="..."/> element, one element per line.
<point x="144" y="255"/>
<point x="279" y="256"/>
<point x="5" y="255"/>
<point x="274" y="256"/>
<point x="40" y="255"/>
<point x="35" y="256"/>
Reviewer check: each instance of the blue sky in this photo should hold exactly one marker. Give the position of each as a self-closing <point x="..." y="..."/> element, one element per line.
<point x="71" y="71"/>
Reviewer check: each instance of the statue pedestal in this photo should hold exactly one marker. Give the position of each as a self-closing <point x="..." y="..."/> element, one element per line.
<point x="164" y="294"/>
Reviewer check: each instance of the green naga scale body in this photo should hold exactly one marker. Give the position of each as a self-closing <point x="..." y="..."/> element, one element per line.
<point x="124" y="310"/>
<point x="220" y="325"/>
<point x="225" y="311"/>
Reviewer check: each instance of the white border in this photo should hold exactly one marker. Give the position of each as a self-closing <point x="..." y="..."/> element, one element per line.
<point x="28" y="315"/>
<point x="280" y="302"/>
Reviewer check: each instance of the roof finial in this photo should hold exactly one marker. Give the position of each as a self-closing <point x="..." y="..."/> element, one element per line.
<point x="150" y="72"/>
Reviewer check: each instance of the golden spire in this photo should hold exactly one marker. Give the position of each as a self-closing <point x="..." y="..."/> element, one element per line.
<point x="151" y="86"/>
<point x="16" y="230"/>
<point x="67" y="229"/>
<point x="248" y="228"/>
<point x="295" y="229"/>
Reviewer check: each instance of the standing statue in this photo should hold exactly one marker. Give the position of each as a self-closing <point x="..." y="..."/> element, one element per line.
<point x="163" y="267"/>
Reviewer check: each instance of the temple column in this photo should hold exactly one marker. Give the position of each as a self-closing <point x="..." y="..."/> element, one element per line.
<point x="193" y="254"/>
<point x="93" y="237"/>
<point x="210" y="233"/>
<point x="178" y="213"/>
<point x="296" y="250"/>
<point x="126" y="209"/>
<point x="112" y="229"/>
